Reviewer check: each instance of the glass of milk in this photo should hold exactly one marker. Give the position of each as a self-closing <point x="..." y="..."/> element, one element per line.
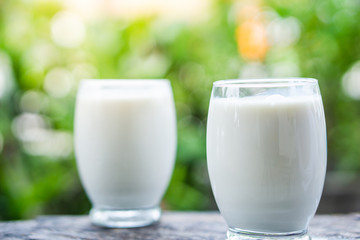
<point x="266" y="153"/>
<point x="125" y="144"/>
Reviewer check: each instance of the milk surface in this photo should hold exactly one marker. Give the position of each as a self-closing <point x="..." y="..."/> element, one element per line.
<point x="125" y="143"/>
<point x="267" y="160"/>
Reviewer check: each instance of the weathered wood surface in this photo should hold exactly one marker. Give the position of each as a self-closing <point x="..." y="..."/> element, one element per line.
<point x="173" y="226"/>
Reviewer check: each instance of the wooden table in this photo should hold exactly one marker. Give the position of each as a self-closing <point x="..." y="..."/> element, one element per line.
<point x="173" y="226"/>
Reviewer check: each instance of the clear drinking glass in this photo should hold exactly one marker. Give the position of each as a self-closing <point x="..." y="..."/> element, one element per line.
<point x="266" y="153"/>
<point x="125" y="143"/>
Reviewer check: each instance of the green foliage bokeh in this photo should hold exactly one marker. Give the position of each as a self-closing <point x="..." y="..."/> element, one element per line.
<point x="192" y="56"/>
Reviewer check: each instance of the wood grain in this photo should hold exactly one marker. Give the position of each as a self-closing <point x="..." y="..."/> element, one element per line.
<point x="173" y="226"/>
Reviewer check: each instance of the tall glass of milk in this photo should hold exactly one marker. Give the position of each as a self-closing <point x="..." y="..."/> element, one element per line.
<point x="266" y="153"/>
<point x="125" y="144"/>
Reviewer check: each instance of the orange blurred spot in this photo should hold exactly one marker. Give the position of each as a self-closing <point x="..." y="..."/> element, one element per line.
<point x="251" y="40"/>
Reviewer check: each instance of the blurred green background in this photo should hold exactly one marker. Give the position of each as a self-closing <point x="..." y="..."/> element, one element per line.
<point x="48" y="46"/>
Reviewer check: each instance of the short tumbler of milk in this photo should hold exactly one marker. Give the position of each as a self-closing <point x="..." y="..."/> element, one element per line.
<point x="125" y="143"/>
<point x="266" y="151"/>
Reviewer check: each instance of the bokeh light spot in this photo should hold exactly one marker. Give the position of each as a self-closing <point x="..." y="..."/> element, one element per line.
<point x="33" y="101"/>
<point x="58" y="82"/>
<point x="41" y="56"/>
<point x="84" y="70"/>
<point x="252" y="40"/>
<point x="351" y="81"/>
<point x="38" y="139"/>
<point x="6" y="80"/>
<point x="283" y="31"/>
<point x="50" y="143"/>
<point x="285" y="69"/>
<point x="67" y="29"/>
<point x="254" y="70"/>
<point x="24" y="125"/>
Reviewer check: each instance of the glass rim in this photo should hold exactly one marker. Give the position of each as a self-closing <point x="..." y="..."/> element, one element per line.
<point x="265" y="82"/>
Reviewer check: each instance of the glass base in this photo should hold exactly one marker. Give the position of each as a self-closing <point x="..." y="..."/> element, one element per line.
<point x="236" y="234"/>
<point x="114" y="218"/>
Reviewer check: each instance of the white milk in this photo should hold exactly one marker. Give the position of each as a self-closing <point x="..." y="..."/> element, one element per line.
<point x="267" y="160"/>
<point x="125" y="142"/>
